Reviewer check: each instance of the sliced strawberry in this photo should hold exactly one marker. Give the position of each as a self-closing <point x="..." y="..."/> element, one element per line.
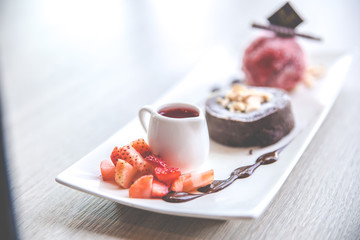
<point x="156" y="161"/>
<point x="142" y="187"/>
<point x="107" y="169"/>
<point x="139" y="175"/>
<point x="141" y="146"/>
<point x="115" y="155"/>
<point x="130" y="155"/>
<point x="159" y="189"/>
<point x="167" y="175"/>
<point x="124" y="173"/>
<point x="193" y="181"/>
<point x="177" y="185"/>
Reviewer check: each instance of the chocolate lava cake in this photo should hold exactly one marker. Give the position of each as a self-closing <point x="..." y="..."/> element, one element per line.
<point x="263" y="126"/>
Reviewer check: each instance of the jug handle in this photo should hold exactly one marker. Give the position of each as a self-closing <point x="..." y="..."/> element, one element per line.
<point x="142" y="112"/>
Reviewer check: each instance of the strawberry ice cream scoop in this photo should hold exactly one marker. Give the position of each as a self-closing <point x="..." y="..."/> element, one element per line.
<point x="274" y="62"/>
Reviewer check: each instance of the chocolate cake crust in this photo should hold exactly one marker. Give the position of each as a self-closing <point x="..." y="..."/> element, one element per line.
<point x="262" y="127"/>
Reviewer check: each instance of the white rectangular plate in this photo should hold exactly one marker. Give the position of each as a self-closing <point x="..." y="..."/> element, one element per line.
<point x="247" y="197"/>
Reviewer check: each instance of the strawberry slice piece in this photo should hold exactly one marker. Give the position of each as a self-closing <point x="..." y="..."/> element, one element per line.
<point x="193" y="181"/>
<point x="141" y="147"/>
<point x="130" y="155"/>
<point x="190" y="182"/>
<point x="107" y="169"/>
<point x="177" y="185"/>
<point x="167" y="175"/>
<point x="142" y="187"/>
<point x="156" y="161"/>
<point x="115" y="155"/>
<point x="159" y="189"/>
<point x="124" y="173"/>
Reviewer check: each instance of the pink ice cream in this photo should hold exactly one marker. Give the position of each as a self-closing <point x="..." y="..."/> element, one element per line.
<point x="274" y="62"/>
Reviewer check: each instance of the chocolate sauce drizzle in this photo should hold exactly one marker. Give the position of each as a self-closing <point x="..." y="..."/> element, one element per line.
<point x="217" y="185"/>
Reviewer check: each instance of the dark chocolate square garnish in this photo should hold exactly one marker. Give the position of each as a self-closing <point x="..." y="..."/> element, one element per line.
<point x="285" y="17"/>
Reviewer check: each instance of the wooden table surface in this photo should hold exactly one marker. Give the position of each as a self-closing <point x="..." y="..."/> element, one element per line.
<point x="74" y="72"/>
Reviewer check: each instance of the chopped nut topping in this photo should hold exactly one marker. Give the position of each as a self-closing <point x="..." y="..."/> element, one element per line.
<point x="316" y="71"/>
<point x="243" y="99"/>
<point x="312" y="74"/>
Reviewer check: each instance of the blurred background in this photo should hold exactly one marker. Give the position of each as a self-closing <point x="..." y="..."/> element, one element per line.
<point x="75" y="71"/>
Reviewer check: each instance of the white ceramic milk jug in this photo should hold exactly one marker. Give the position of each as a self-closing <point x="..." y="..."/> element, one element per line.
<point x="178" y="133"/>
